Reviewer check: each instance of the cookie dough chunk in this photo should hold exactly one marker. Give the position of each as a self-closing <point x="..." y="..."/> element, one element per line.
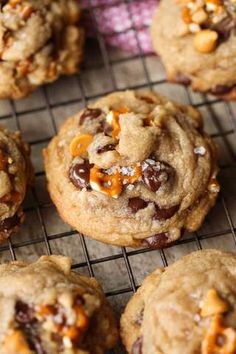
<point x="39" y="41"/>
<point x="16" y="173"/>
<point x="45" y="308"/>
<point x="200" y="48"/>
<point x="133" y="169"/>
<point x="190" y="307"/>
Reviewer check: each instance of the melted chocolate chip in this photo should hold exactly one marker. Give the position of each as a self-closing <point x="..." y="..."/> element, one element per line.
<point x="79" y="300"/>
<point x="107" y="129"/>
<point x="136" y="204"/>
<point x="146" y="99"/>
<point x="90" y="114"/>
<point x="164" y="214"/>
<point x="24" y="313"/>
<point x="36" y="345"/>
<point x="3" y="2"/>
<point x="27" y="323"/>
<point x="221" y="89"/>
<point x="32" y="337"/>
<point x="9" y="223"/>
<point x="57" y="338"/>
<point x="182" y="79"/>
<point x="157" y="241"/>
<point x="108" y="147"/>
<point x="79" y="174"/>
<point x="225" y="27"/>
<point x="25" y="317"/>
<point x="137" y="346"/>
<point x="153" y="177"/>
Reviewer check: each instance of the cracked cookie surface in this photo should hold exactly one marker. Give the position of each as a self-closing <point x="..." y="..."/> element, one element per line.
<point x="45" y="308"/>
<point x="16" y="173"/>
<point x="189" y="307"/>
<point x="39" y="41"/>
<point x="133" y="169"/>
<point x="199" y="50"/>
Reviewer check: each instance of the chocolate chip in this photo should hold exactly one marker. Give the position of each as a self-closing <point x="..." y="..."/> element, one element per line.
<point x="146" y="99"/>
<point x="107" y="129"/>
<point x="9" y="223"/>
<point x="105" y="148"/>
<point x="79" y="174"/>
<point x="27" y="323"/>
<point x="154" y="176"/>
<point x="221" y="89"/>
<point x="136" y="204"/>
<point x="79" y="300"/>
<point x="137" y="346"/>
<point x="33" y="339"/>
<point x="37" y="345"/>
<point x="182" y="79"/>
<point x="57" y="339"/>
<point x="157" y="241"/>
<point x="24" y="313"/>
<point x="164" y="214"/>
<point x="3" y="2"/>
<point x="225" y="27"/>
<point x="90" y="114"/>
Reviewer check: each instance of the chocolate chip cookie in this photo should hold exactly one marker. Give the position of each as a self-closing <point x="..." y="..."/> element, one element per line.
<point x="16" y="173"/>
<point x="200" y="48"/>
<point x="39" y="41"/>
<point x="190" y="307"/>
<point x="45" y="308"/>
<point x="133" y="169"/>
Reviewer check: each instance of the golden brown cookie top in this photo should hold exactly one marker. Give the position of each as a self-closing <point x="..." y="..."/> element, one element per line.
<point x="122" y="144"/>
<point x="46" y="308"/>
<point x="131" y="166"/>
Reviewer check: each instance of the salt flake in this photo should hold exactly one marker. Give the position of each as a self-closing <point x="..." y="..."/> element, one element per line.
<point x="200" y="150"/>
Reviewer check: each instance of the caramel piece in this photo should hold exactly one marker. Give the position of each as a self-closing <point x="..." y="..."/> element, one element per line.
<point x="219" y="339"/>
<point x="107" y="184"/>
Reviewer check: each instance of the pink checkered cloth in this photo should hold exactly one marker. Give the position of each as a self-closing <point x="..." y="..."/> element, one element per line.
<point x="123" y="25"/>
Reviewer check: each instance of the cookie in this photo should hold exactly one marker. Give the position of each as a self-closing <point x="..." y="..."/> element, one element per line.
<point x="189" y="307"/>
<point x="39" y="41"/>
<point x="45" y="308"/>
<point x="133" y="169"/>
<point x="16" y="173"/>
<point x="200" y="49"/>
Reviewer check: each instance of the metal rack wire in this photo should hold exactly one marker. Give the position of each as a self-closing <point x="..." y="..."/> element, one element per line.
<point x="225" y="130"/>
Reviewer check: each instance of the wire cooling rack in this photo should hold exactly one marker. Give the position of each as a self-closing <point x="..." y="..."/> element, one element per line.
<point x="120" y="270"/>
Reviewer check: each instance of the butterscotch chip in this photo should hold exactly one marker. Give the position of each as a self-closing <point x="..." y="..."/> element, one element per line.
<point x="169" y="303"/>
<point x="47" y="308"/>
<point x="133" y="169"/>
<point x="205" y="41"/>
<point x="200" y="16"/>
<point x="46" y="34"/>
<point x="80" y="144"/>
